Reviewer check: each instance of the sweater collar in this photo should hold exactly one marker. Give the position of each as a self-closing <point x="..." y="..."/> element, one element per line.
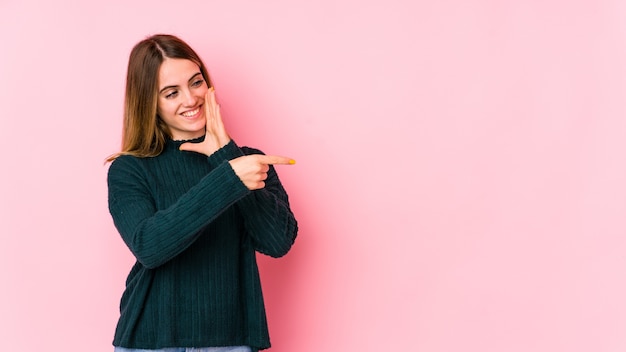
<point x="172" y="143"/>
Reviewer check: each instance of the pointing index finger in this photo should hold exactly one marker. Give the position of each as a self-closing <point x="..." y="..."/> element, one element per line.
<point x="276" y="160"/>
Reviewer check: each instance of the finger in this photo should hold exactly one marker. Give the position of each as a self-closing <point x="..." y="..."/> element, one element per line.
<point x="207" y="112"/>
<point x="275" y="160"/>
<point x="190" y="147"/>
<point x="217" y="117"/>
<point x="213" y="108"/>
<point x="210" y="102"/>
<point x="216" y="108"/>
<point x="213" y="100"/>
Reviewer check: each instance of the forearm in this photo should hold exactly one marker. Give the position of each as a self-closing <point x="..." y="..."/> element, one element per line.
<point x="154" y="236"/>
<point x="268" y="218"/>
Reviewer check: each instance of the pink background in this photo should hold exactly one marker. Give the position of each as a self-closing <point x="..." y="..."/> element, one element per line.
<point x="460" y="177"/>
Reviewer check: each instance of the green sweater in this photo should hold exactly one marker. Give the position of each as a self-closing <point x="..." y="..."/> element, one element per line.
<point x="194" y="228"/>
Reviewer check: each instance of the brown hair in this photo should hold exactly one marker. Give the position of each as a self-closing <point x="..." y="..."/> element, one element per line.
<point x="144" y="132"/>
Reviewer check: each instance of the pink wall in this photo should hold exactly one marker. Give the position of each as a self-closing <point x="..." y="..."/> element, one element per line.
<point x="460" y="177"/>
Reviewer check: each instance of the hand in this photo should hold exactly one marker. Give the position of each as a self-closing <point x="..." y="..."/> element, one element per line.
<point x="252" y="169"/>
<point x="216" y="136"/>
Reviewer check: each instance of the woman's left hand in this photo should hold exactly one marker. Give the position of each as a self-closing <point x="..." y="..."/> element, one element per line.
<point x="216" y="136"/>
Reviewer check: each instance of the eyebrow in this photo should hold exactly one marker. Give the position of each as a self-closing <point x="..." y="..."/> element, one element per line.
<point x="191" y="79"/>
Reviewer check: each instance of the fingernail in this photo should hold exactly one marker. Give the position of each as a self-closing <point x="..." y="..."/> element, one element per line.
<point x="292" y="161"/>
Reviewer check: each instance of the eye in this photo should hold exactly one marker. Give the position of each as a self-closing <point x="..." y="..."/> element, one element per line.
<point x="171" y="94"/>
<point x="197" y="83"/>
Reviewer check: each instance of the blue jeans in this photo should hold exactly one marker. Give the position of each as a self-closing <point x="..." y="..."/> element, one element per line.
<point x="189" y="349"/>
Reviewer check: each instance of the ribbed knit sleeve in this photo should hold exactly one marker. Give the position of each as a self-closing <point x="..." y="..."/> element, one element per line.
<point x="156" y="237"/>
<point x="228" y="152"/>
<point x="267" y="215"/>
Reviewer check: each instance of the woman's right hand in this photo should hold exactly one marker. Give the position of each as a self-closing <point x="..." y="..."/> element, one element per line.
<point x="252" y="169"/>
<point x="216" y="136"/>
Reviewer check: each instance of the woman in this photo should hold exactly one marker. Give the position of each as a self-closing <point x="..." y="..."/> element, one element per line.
<point x="193" y="207"/>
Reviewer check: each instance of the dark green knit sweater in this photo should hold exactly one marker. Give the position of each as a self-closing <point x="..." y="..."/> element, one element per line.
<point x="194" y="228"/>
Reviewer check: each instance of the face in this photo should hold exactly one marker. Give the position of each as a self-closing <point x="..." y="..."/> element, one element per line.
<point x="180" y="101"/>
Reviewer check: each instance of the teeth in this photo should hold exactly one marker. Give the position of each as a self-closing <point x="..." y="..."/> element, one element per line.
<point x="190" y="113"/>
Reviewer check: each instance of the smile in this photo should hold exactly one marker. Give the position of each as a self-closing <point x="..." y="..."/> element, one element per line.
<point x="191" y="113"/>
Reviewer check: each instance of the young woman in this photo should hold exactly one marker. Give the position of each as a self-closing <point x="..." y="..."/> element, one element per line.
<point x="193" y="207"/>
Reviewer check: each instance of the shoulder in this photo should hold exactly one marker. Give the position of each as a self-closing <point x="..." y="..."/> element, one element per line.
<point x="123" y="162"/>
<point x="125" y="167"/>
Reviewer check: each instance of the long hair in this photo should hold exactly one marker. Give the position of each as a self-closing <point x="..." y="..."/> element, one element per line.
<point x="144" y="132"/>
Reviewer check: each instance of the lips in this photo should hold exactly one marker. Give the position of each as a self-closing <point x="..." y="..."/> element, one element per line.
<point x="191" y="113"/>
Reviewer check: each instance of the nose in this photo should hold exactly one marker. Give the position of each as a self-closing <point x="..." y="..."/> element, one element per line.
<point x="190" y="99"/>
